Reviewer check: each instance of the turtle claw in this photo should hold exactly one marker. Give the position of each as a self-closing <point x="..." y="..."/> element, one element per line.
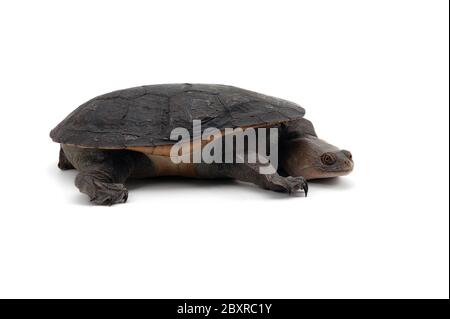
<point x="290" y="184"/>
<point x="296" y="184"/>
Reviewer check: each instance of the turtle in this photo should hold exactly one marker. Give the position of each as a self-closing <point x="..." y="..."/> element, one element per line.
<point x="127" y="134"/>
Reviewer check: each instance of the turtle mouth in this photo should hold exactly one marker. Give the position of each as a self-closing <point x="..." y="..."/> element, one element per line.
<point x="322" y="171"/>
<point x="347" y="167"/>
<point x="333" y="173"/>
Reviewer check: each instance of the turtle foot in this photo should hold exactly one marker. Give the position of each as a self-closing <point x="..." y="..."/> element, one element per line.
<point x="99" y="192"/>
<point x="109" y="194"/>
<point x="290" y="184"/>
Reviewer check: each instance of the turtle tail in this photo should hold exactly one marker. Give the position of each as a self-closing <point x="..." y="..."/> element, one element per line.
<point x="64" y="163"/>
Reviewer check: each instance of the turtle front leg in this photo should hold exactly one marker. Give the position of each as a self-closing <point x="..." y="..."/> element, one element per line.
<point x="250" y="173"/>
<point x="101" y="174"/>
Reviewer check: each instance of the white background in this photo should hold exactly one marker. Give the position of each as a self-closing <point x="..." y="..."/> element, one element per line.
<point x="373" y="77"/>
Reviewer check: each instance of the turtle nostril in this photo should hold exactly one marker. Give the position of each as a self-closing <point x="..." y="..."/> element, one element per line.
<point x="347" y="154"/>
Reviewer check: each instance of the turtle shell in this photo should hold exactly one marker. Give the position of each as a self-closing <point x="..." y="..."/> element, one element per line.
<point x="145" y="116"/>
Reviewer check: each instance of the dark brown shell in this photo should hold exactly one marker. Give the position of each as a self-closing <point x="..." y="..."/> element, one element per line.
<point x="145" y="115"/>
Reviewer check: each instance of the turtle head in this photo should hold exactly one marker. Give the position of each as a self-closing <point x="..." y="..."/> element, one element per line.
<point x="313" y="158"/>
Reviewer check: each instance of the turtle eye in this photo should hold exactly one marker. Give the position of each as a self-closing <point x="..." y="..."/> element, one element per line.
<point x="328" y="159"/>
<point x="347" y="154"/>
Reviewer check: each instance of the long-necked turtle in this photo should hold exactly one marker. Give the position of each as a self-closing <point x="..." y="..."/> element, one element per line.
<point x="126" y="134"/>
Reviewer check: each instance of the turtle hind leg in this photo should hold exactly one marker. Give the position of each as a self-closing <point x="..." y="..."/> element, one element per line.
<point x="64" y="163"/>
<point x="102" y="173"/>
